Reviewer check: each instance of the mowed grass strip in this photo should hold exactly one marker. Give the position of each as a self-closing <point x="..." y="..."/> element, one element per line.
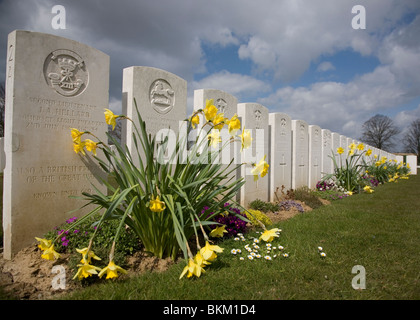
<point x="379" y="231"/>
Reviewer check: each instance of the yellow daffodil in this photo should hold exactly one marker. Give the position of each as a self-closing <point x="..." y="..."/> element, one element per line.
<point x="234" y="124"/>
<point x="111" y="271"/>
<point x="214" y="138"/>
<point x="368" y="152"/>
<point x="76" y="135"/>
<point x="195" y="121"/>
<point x="86" y="270"/>
<point x="218" y="232"/>
<point x="50" y="254"/>
<point x="360" y="147"/>
<point x="90" y="146"/>
<point x="219" y="121"/>
<point x="192" y="268"/>
<point x="208" y="252"/>
<point x="340" y="150"/>
<point x="260" y="169"/>
<point x="79" y="147"/>
<point x="246" y="139"/>
<point x="352" y="146"/>
<point x="44" y="243"/>
<point x="200" y="261"/>
<point x="156" y="205"/>
<point x="368" y="189"/>
<point x="90" y="255"/>
<point x="269" y="235"/>
<point x="210" y="110"/>
<point x="188" y="268"/>
<point x="110" y="118"/>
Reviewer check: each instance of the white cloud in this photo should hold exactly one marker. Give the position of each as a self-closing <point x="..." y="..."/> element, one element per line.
<point x="281" y="39"/>
<point x="325" y="66"/>
<point x="236" y="84"/>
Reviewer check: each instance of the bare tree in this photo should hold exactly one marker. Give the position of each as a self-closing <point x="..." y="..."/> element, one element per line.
<point x="411" y="138"/>
<point x="379" y="131"/>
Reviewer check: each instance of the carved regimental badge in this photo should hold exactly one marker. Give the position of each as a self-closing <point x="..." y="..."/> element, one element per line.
<point x="162" y="97"/>
<point x="65" y="72"/>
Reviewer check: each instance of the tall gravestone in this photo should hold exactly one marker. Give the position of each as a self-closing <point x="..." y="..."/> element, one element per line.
<point x="161" y="98"/>
<point x="226" y="104"/>
<point x="2" y="155"/>
<point x="327" y="164"/>
<point x="348" y="143"/>
<point x="300" y="154"/>
<point x="335" y="140"/>
<point x="53" y="84"/>
<point x="254" y="117"/>
<point x="315" y="155"/>
<point x="280" y="153"/>
<point x="343" y="144"/>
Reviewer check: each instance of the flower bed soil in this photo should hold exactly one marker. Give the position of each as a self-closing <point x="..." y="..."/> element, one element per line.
<point x="29" y="277"/>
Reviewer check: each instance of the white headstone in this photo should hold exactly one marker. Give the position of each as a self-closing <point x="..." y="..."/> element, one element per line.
<point x="300" y="154"/>
<point x="161" y="98"/>
<point x="343" y="144"/>
<point x="226" y="104"/>
<point x="53" y="84"/>
<point x="327" y="164"/>
<point x="335" y="138"/>
<point x="254" y="117"/>
<point x="412" y="162"/>
<point x="280" y="153"/>
<point x="315" y="155"/>
<point x="349" y="141"/>
<point x="2" y="155"/>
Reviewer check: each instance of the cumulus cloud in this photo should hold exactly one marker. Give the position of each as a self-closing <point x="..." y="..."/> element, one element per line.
<point x="281" y="40"/>
<point x="325" y="66"/>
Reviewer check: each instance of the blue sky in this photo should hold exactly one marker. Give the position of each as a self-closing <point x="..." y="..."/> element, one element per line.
<point x="301" y="57"/>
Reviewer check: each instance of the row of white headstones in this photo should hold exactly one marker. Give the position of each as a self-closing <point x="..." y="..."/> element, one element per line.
<point x="54" y="84"/>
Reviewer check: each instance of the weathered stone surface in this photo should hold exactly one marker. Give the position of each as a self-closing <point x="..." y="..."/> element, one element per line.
<point x="53" y="84"/>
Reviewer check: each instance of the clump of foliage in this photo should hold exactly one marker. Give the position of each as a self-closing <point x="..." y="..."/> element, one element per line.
<point x="263" y="206"/>
<point x="286" y="205"/>
<point x="256" y="216"/>
<point x="231" y="218"/>
<point x="304" y="194"/>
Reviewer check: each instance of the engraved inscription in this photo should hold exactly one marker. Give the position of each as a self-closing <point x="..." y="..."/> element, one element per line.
<point x="10" y="61"/>
<point x="162" y="97"/>
<point x="56" y="179"/>
<point x="59" y="115"/>
<point x="258" y="119"/>
<point x="302" y="131"/>
<point x="66" y="72"/>
<point x="221" y="105"/>
<point x="283" y="122"/>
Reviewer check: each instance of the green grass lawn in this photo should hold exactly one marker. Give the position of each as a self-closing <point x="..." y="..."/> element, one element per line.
<point x="379" y="231"/>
